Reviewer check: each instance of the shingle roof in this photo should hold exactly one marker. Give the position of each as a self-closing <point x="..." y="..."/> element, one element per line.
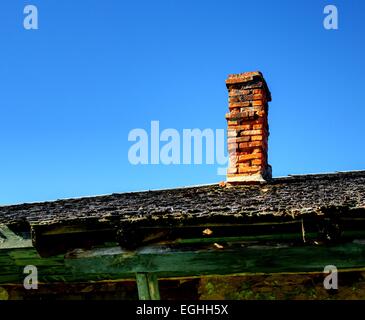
<point x="287" y="197"/>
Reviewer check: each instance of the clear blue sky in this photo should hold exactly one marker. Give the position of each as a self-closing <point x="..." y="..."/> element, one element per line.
<point x="71" y="91"/>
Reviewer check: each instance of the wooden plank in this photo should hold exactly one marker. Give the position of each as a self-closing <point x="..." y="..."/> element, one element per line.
<point x="181" y="261"/>
<point x="9" y="240"/>
<point x="317" y="228"/>
<point x="147" y="285"/>
<point x="185" y="261"/>
<point x="57" y="238"/>
<point x="279" y="237"/>
<point x="153" y="286"/>
<point x="142" y="285"/>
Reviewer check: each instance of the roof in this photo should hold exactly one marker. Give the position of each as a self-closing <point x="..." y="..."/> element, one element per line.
<point x="286" y="197"/>
<point x="322" y="208"/>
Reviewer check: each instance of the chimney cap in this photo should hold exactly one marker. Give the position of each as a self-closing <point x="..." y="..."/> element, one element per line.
<point x="245" y="77"/>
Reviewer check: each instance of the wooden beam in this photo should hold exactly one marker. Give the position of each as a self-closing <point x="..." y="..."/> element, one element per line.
<point x="147" y="284"/>
<point x="57" y="238"/>
<point x="9" y="240"/>
<point x="153" y="286"/>
<point x="142" y="285"/>
<point x="180" y="261"/>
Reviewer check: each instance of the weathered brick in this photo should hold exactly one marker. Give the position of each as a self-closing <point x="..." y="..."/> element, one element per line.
<point x="258" y="91"/>
<point x="239" y="104"/>
<point x="251" y="156"/>
<point x="238" y="92"/>
<point x="261" y="120"/>
<point x="244" y="145"/>
<point x="243" y="164"/>
<point x="258" y="97"/>
<point x="233" y="116"/>
<point x="257" y="103"/>
<point x="232" y="133"/>
<point x="251" y="132"/>
<point x="257" y="126"/>
<point x="245" y="127"/>
<point x="238" y="139"/>
<point x="242" y="78"/>
<point x="244" y="92"/>
<point x="233" y="146"/>
<point x="256" y="150"/>
<point x="257" y="162"/>
<point x="233" y="100"/>
<point x="232" y="170"/>
<point x="250" y="169"/>
<point x="256" y="138"/>
<point x="255" y="144"/>
<point x="242" y="153"/>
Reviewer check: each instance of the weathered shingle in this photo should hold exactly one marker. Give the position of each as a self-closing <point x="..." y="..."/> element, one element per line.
<point x="291" y="196"/>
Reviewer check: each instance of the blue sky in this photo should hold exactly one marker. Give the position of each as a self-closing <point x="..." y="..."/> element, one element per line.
<point x="72" y="90"/>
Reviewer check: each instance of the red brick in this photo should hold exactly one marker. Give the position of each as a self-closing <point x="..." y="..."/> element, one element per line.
<point x="258" y="91"/>
<point x="257" y="126"/>
<point x="242" y="153"/>
<point x="251" y="133"/>
<point x="255" y="144"/>
<point x="232" y="170"/>
<point x="244" y="145"/>
<point x="237" y="92"/>
<point x="257" y="162"/>
<point x="244" y="164"/>
<point x="251" y="169"/>
<point x="250" y="156"/>
<point x="257" y="103"/>
<point x="233" y="100"/>
<point x="256" y="138"/>
<point x="257" y="150"/>
<point x="258" y="97"/>
<point x="238" y="139"/>
<point x="239" y="104"/>
<point x="245" y="127"/>
<point x="232" y="133"/>
<point x="232" y="146"/>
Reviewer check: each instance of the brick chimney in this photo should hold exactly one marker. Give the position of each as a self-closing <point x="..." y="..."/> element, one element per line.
<point x="248" y="128"/>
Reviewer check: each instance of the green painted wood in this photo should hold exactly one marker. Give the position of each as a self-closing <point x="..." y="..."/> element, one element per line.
<point x="9" y="240"/>
<point x="147" y="284"/>
<point x="278" y="237"/>
<point x="56" y="238"/>
<point x="179" y="261"/>
<point x="142" y="285"/>
<point x="298" y="237"/>
<point x="236" y="260"/>
<point x="153" y="286"/>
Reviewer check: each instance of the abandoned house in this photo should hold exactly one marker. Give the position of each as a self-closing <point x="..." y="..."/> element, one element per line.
<point x="250" y="237"/>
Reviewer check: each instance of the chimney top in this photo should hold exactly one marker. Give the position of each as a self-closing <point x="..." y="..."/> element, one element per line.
<point x="240" y="78"/>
